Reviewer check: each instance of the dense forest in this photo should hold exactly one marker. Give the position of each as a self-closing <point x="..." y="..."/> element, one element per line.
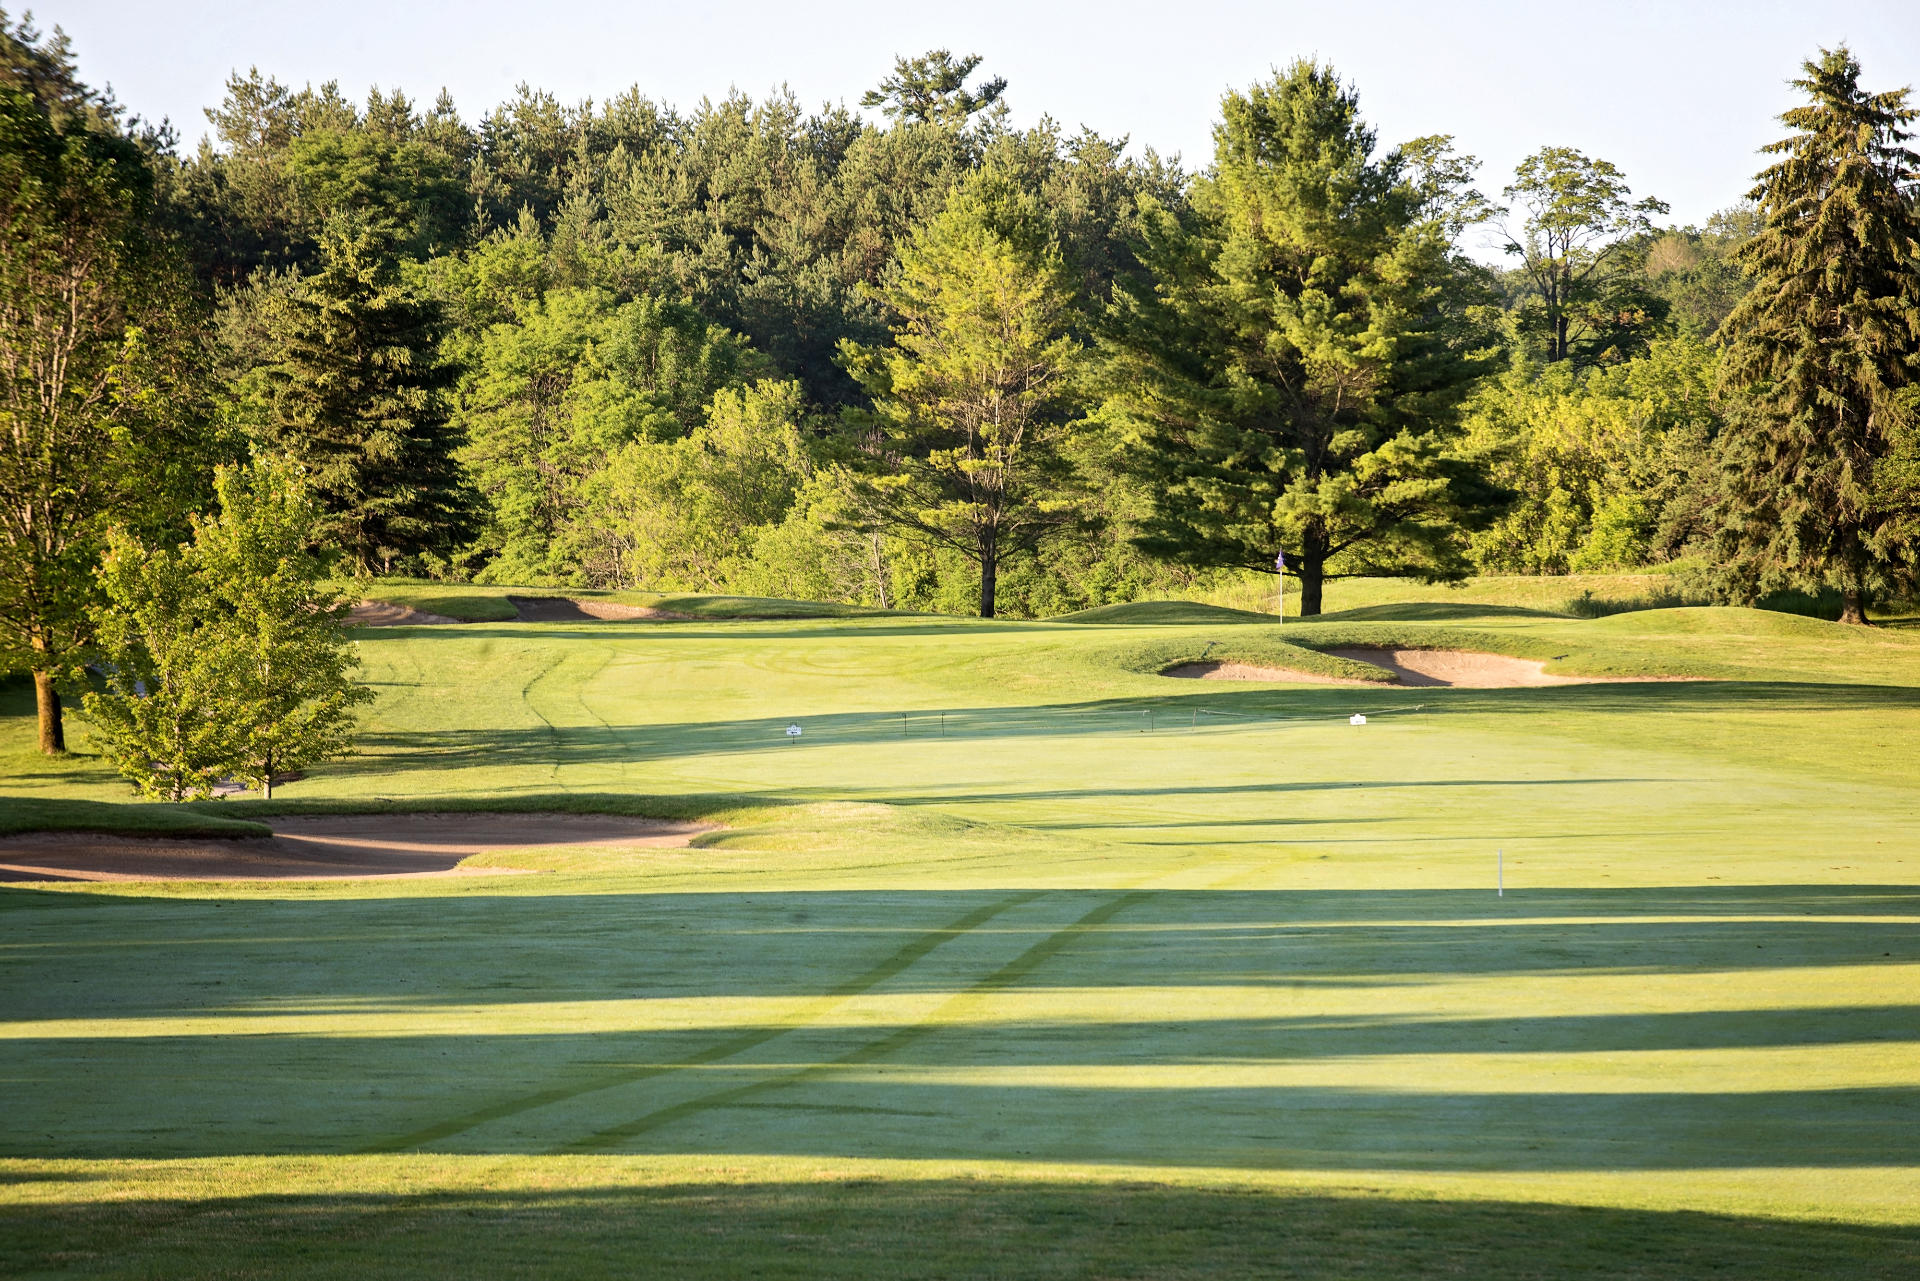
<point x="924" y="359"/>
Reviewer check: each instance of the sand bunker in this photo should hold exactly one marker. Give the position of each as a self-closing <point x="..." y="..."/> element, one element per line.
<point x="380" y="613"/>
<point x="1466" y="669"/>
<point x="1452" y="668"/>
<point x="1253" y="672"/>
<point x="361" y="845"/>
<point x="559" y="609"/>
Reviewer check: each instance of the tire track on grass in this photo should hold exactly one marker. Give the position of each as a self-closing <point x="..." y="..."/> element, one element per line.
<point x="819" y="1006"/>
<point x="553" y="731"/>
<point x="1007" y="975"/>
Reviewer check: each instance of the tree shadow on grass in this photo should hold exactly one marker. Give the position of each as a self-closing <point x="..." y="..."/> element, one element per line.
<point x="1179" y="712"/>
<point x="862" y="1227"/>
<point x="729" y="1081"/>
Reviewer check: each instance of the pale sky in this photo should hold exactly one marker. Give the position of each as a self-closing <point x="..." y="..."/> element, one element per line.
<point x="1679" y="95"/>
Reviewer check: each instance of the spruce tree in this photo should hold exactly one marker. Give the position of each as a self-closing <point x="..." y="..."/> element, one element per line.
<point x="1823" y="354"/>
<point x="357" y="394"/>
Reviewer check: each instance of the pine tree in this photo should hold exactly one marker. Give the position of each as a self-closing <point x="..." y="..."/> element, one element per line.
<point x="973" y="402"/>
<point x="1287" y="374"/>
<point x="357" y="394"/>
<point x="1824" y="351"/>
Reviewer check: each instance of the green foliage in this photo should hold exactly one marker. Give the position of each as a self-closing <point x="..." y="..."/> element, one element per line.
<point x="224" y="657"/>
<point x="1824" y="353"/>
<point x="1288" y="373"/>
<point x="550" y="398"/>
<point x="100" y="359"/>
<point x="931" y="89"/>
<point x="1609" y="468"/>
<point x="679" y="515"/>
<point x="1695" y="274"/>
<point x="350" y="384"/>
<point x="1578" y="243"/>
<point x="284" y="162"/>
<point x="974" y="401"/>
<point x="165" y="717"/>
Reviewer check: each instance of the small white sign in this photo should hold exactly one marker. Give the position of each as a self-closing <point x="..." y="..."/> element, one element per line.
<point x="793" y="731"/>
<point x="1355" y="719"/>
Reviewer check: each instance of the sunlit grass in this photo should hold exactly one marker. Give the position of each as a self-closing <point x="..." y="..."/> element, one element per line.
<point x="1021" y="962"/>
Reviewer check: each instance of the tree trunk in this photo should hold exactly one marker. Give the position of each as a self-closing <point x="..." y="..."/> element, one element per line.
<point x="879" y="562"/>
<point x="1310" y="583"/>
<point x="989" y="574"/>
<point x="266" y="779"/>
<point x="1312" y="568"/>
<point x="1853" y="606"/>
<point x="53" y="730"/>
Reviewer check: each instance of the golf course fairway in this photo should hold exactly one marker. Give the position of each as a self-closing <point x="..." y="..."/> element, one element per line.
<point x="1019" y="959"/>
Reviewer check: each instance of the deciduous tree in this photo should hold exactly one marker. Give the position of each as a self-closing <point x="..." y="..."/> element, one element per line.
<point x="224" y="657"/>
<point x="1579" y="229"/>
<point x="98" y="358"/>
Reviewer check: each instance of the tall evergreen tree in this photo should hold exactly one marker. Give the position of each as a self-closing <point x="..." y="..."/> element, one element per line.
<point x="355" y="391"/>
<point x="1824" y="352"/>
<point x="932" y="89"/>
<point x="973" y="402"/>
<point x="1288" y="371"/>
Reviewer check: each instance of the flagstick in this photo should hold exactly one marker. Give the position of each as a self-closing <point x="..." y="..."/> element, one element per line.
<point x="1280" y="587"/>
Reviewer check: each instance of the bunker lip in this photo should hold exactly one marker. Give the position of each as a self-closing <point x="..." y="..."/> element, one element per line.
<point x="1232" y="671"/>
<point x="563" y="609"/>
<point x="1472" y="669"/>
<point x="382" y="613"/>
<point x="331" y="847"/>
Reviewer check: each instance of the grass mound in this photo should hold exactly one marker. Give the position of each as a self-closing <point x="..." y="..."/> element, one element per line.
<point x="1160" y="613"/>
<point x="43" y="814"/>
<point x="494" y="604"/>
<point x="1429" y="612"/>
<point x="1731" y="620"/>
<point x="1258" y="649"/>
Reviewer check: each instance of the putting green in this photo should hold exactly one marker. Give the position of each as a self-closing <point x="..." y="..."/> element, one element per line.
<point x="1020" y="960"/>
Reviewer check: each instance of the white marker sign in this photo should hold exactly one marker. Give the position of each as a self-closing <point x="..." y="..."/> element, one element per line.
<point x="793" y="731"/>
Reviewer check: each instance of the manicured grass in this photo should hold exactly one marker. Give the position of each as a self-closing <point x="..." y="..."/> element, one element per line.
<point x="48" y="814"/>
<point x="1021" y="961"/>
<point x="476" y="604"/>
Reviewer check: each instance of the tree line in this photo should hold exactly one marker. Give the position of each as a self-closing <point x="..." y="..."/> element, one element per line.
<point x="932" y="361"/>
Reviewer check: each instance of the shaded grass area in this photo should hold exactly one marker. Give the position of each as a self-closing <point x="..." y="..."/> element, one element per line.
<point x="47" y="814"/>
<point x="612" y="1218"/>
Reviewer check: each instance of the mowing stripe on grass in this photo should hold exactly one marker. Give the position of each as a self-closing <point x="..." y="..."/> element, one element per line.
<point x="1012" y="972"/>
<point x="871" y="978"/>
